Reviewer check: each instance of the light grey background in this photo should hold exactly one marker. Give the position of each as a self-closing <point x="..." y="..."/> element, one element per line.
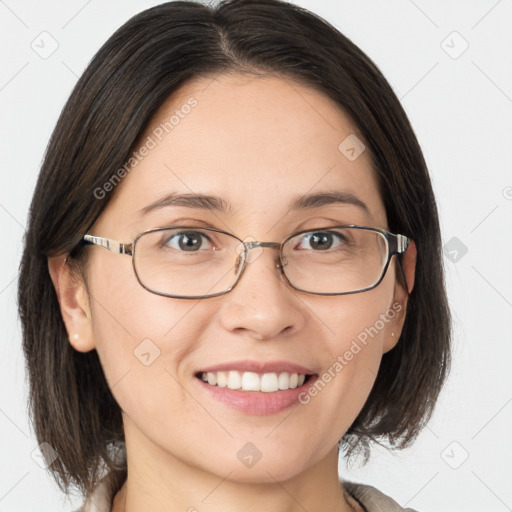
<point x="460" y="104"/>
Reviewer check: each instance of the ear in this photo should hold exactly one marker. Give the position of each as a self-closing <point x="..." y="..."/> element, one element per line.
<point x="401" y="296"/>
<point x="73" y="301"/>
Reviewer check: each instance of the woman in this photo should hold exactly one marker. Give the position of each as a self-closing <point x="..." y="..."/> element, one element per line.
<point x="232" y="268"/>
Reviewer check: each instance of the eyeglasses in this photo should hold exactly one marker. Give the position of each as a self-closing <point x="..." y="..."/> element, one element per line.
<point x="191" y="263"/>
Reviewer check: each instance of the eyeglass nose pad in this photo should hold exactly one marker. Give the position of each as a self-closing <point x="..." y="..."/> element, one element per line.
<point x="282" y="265"/>
<point x="245" y="257"/>
<point x="238" y="263"/>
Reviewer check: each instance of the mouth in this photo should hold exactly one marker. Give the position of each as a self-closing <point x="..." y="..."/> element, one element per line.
<point x="257" y="388"/>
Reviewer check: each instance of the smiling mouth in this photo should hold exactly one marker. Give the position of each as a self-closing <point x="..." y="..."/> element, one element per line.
<point x="251" y="381"/>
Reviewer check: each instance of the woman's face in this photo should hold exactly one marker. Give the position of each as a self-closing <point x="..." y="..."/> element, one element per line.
<point x="258" y="143"/>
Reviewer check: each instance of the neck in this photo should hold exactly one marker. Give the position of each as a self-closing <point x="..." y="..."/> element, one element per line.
<point x="168" y="484"/>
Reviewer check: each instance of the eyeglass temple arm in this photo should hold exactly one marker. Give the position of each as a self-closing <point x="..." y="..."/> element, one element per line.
<point x="398" y="244"/>
<point x="107" y="243"/>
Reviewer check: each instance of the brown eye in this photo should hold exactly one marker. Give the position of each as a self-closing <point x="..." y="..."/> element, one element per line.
<point x="321" y="240"/>
<point x="188" y="241"/>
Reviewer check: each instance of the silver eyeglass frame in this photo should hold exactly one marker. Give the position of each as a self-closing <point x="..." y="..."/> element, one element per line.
<point x="396" y="244"/>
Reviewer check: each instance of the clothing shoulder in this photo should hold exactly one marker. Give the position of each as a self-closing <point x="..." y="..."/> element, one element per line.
<point x="372" y="499"/>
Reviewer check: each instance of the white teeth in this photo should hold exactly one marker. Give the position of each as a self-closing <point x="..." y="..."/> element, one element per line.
<point x="251" y="381"/>
<point x="222" y="379"/>
<point x="284" y="381"/>
<point x="269" y="382"/>
<point x="234" y="380"/>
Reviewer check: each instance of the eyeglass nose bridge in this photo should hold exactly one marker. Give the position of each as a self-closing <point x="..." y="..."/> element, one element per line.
<point x="253" y="244"/>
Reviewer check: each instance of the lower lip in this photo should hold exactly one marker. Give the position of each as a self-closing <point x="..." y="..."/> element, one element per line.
<point x="258" y="403"/>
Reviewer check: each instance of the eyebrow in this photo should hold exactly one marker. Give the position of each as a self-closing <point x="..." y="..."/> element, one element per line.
<point x="216" y="203"/>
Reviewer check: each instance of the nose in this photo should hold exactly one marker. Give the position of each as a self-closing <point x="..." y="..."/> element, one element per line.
<point x="262" y="304"/>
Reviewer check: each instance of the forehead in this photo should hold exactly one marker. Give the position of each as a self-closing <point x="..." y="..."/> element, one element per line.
<point x="258" y="142"/>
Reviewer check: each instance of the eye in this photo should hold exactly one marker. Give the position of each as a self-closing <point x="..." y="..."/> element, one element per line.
<point x="187" y="241"/>
<point x="322" y="240"/>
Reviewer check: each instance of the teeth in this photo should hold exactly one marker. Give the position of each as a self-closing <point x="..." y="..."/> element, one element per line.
<point x="284" y="381"/>
<point x="234" y="380"/>
<point x="251" y="381"/>
<point x="222" y="379"/>
<point x="269" y="382"/>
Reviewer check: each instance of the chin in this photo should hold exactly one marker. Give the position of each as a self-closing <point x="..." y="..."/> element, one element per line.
<point x="250" y="465"/>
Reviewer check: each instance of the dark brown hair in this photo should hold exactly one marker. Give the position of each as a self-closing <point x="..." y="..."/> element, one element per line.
<point x="129" y="78"/>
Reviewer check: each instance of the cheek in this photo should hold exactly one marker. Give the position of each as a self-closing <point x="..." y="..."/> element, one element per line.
<point x="356" y="327"/>
<point x="357" y="324"/>
<point x="141" y="337"/>
<point x="125" y="313"/>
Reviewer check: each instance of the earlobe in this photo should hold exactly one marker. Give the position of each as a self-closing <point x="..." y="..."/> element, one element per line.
<point x="73" y="301"/>
<point x="390" y="343"/>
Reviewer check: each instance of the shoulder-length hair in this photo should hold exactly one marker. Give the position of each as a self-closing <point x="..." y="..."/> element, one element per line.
<point x="129" y="78"/>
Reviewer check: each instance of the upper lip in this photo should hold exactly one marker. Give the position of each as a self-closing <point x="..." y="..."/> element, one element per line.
<point x="259" y="367"/>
